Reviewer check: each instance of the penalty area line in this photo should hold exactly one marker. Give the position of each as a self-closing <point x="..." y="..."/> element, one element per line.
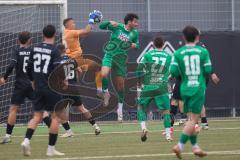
<point x="234" y="152"/>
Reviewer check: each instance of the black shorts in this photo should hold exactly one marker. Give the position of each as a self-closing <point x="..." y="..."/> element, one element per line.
<point x="46" y="100"/>
<point x="176" y="91"/>
<point x="20" y="93"/>
<point x="77" y="100"/>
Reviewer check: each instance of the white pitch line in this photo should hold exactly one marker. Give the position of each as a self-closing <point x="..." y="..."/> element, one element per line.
<point x="234" y="152"/>
<point x="129" y="132"/>
<point x="110" y="123"/>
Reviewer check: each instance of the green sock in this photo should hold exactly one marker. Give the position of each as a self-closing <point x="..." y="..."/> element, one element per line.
<point x="193" y="139"/>
<point x="104" y="83"/>
<point x="141" y="115"/>
<point x="120" y="96"/>
<point x="183" y="138"/>
<point x="167" y="120"/>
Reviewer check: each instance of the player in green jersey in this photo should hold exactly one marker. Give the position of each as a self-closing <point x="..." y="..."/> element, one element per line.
<point x="123" y="37"/>
<point x="192" y="63"/>
<point x="154" y="68"/>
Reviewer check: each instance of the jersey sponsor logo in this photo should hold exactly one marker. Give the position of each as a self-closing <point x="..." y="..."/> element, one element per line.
<point x="167" y="47"/>
<point x="123" y="37"/>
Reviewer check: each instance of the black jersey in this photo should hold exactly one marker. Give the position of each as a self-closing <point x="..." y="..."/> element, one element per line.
<point x="70" y="68"/>
<point x="43" y="60"/>
<point x="19" y="61"/>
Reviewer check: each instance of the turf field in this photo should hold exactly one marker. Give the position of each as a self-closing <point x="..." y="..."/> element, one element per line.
<point x="122" y="142"/>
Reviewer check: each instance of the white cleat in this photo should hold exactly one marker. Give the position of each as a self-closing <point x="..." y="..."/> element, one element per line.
<point x="205" y="127"/>
<point x="97" y="131"/>
<point x="169" y="138"/>
<point x="106" y="98"/>
<point x="26" y="149"/>
<point x="120" y="118"/>
<point x="6" y="139"/>
<point x="144" y="135"/>
<point x="54" y="152"/>
<point x="67" y="134"/>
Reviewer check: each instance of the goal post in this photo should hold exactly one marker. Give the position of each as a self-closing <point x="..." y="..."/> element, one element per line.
<point x="24" y="15"/>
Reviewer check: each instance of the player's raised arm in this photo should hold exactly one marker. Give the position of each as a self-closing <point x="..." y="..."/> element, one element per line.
<point x="108" y="25"/>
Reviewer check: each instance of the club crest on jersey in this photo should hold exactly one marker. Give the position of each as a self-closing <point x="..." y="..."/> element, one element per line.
<point x="123" y="37"/>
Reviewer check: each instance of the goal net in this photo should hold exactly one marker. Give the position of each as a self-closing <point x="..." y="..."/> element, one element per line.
<point x="15" y="17"/>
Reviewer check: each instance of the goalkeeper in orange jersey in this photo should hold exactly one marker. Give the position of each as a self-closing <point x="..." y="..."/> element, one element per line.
<point x="71" y="37"/>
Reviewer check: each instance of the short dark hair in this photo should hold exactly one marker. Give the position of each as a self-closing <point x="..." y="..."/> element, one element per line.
<point x="49" y="31"/>
<point x="190" y="33"/>
<point x="158" y="42"/>
<point x="61" y="48"/>
<point x="65" y="21"/>
<point x="24" y="36"/>
<point x="130" y="17"/>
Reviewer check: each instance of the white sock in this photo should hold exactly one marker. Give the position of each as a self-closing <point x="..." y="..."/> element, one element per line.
<point x="26" y="141"/>
<point x="105" y="90"/>
<point x="120" y="107"/>
<point x="143" y="125"/>
<point x="69" y="131"/>
<point x="99" y="89"/>
<point x="51" y="147"/>
<point x="167" y="130"/>
<point x="181" y="146"/>
<point x="8" y="135"/>
<point x="95" y="126"/>
<point x="195" y="146"/>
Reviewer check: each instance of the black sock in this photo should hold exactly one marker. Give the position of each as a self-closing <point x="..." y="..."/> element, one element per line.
<point x="9" y="129"/>
<point x="183" y="116"/>
<point x="29" y="133"/>
<point x="172" y="119"/>
<point x="52" y="139"/>
<point x="204" y="120"/>
<point x="66" y="126"/>
<point x="173" y="113"/>
<point x="47" y="120"/>
<point x="92" y="121"/>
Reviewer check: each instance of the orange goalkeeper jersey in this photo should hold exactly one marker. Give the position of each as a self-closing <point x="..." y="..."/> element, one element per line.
<point x="71" y="38"/>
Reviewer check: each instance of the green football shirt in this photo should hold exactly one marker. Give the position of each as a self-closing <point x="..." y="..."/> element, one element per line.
<point x="121" y="38"/>
<point x="193" y="64"/>
<point x="154" y="67"/>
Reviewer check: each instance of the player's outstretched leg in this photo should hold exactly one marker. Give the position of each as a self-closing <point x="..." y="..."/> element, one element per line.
<point x="104" y="74"/>
<point x="53" y="134"/>
<point x="32" y="125"/>
<point x="142" y="118"/>
<point x="10" y="125"/>
<point x="90" y="119"/>
<point x="120" y="92"/>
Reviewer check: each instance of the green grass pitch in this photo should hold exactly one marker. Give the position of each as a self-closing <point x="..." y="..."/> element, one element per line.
<point x="122" y="142"/>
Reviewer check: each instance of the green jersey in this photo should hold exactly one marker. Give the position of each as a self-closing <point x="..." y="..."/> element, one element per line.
<point x="155" y="69"/>
<point x="193" y="64"/>
<point x="121" y="38"/>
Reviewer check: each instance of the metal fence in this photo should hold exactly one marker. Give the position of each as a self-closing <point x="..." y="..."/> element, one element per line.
<point x="164" y="15"/>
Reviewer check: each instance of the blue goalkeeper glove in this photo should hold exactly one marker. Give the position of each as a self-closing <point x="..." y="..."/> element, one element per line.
<point x="95" y="17"/>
